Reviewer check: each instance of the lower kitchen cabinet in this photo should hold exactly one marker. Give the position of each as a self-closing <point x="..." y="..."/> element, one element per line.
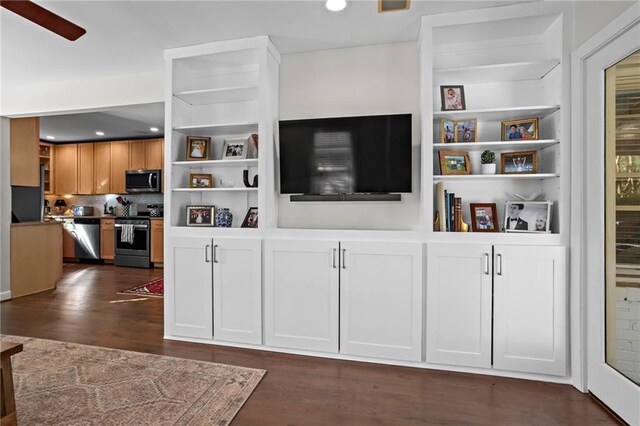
<point x="157" y="240"/>
<point x="529" y="296"/>
<point x="381" y="300"/>
<point x="301" y="294"/>
<point x="237" y="290"/>
<point x="68" y="244"/>
<point x="107" y="239"/>
<point x="189" y="288"/>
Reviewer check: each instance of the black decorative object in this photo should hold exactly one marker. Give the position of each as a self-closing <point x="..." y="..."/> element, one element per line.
<point x="245" y="178"/>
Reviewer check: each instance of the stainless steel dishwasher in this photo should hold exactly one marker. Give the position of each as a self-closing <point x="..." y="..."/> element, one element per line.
<point x="87" y="238"/>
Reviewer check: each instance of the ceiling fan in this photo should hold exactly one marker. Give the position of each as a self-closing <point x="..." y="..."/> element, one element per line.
<point x="46" y="19"/>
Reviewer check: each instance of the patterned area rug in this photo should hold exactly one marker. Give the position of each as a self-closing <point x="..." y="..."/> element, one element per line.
<point x="153" y="288"/>
<point x="61" y="383"/>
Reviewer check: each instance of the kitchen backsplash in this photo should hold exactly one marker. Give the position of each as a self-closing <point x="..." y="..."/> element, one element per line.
<point x="98" y="201"/>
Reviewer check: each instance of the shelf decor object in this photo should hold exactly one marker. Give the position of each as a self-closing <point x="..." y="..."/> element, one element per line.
<point x="200" y="215"/>
<point x="447" y="131"/>
<point x="484" y="217"/>
<point x="234" y="149"/>
<point x="525" y="162"/>
<point x="528" y="216"/>
<point x="198" y="148"/>
<point x="488" y="159"/>
<point x="525" y="129"/>
<point x="466" y="130"/>
<point x="251" y="218"/>
<point x="452" y="98"/>
<point x="455" y="163"/>
<point x="200" y="180"/>
<point x="224" y="218"/>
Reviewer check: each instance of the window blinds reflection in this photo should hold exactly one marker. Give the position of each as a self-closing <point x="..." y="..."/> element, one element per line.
<point x="333" y="170"/>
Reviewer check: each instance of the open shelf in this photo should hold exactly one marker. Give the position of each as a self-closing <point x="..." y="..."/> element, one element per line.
<point x="220" y="129"/>
<point x="499" y="114"/>
<point x="247" y="162"/>
<point x="217" y="96"/>
<point x="516" y="71"/>
<point x="439" y="178"/>
<point x="213" y="189"/>
<point x="480" y="146"/>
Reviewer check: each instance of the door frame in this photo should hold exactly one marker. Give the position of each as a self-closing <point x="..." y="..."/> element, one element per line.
<point x="587" y="146"/>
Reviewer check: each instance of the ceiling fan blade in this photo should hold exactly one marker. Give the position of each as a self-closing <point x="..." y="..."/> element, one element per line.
<point x="46" y="19"/>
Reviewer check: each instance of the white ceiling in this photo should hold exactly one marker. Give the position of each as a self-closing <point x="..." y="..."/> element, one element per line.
<point x="126" y="37"/>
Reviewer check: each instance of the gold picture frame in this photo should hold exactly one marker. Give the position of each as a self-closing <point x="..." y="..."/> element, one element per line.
<point x="200" y="180"/>
<point x="522" y="162"/>
<point x="198" y="148"/>
<point x="447" y="131"/>
<point x="523" y="129"/>
<point x="454" y="163"/>
<point x="466" y="130"/>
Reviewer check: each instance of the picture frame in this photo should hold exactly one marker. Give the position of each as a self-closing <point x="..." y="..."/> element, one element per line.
<point x="523" y="129"/>
<point x="201" y="215"/>
<point x="447" y="131"/>
<point x="466" y="130"/>
<point x="454" y="163"/>
<point x="198" y="148"/>
<point x="200" y="180"/>
<point x="452" y="98"/>
<point x="234" y="149"/>
<point x="519" y="162"/>
<point x="484" y="217"/>
<point x="251" y="218"/>
<point x="533" y="217"/>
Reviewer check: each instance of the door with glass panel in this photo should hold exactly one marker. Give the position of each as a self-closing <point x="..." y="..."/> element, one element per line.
<point x="612" y="226"/>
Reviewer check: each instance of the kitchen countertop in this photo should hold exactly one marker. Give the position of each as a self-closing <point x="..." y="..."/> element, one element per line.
<point x="51" y="222"/>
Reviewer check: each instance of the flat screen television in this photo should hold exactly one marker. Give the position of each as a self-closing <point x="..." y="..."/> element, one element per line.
<point x="346" y="155"/>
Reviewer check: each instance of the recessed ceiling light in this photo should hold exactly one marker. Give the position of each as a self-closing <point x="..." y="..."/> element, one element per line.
<point x="99" y="133"/>
<point x="51" y="137"/>
<point x="336" y="5"/>
<point x="154" y="129"/>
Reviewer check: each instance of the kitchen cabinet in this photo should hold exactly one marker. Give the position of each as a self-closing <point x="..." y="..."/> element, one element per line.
<point x="86" y="175"/>
<point x="301" y="294"/>
<point x="24" y="141"/>
<point x="189" y="288"/>
<point x="102" y="167"/>
<point x="381" y="299"/>
<point x="157" y="241"/>
<point x="237" y="290"/>
<point x="65" y="168"/>
<point x="46" y="159"/>
<point x="529" y="307"/>
<point x="119" y="165"/>
<point x="137" y="155"/>
<point x="68" y="245"/>
<point x="154" y="154"/>
<point x="107" y="239"/>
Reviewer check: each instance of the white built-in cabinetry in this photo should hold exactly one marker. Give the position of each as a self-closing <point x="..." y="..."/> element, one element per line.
<point x="487" y="302"/>
<point x="509" y="301"/>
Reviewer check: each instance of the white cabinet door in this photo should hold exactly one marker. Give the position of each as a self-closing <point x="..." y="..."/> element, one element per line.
<point x="381" y="300"/>
<point x="188" y="287"/>
<point x="237" y="290"/>
<point x="459" y="304"/>
<point x="530" y="309"/>
<point x="301" y="294"/>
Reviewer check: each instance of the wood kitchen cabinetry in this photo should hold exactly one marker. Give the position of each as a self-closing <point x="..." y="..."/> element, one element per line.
<point x="157" y="241"/>
<point x="46" y="159"/>
<point x="107" y="239"/>
<point x="154" y="154"/>
<point x="119" y="165"/>
<point x="86" y="172"/>
<point x="102" y="167"/>
<point x="65" y="168"/>
<point x="137" y="155"/>
<point x="68" y="245"/>
<point x="24" y="139"/>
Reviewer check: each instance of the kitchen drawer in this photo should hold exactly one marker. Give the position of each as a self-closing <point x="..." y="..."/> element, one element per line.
<point x="157" y="223"/>
<point x="107" y="224"/>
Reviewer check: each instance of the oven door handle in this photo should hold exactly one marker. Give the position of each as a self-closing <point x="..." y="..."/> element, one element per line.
<point x="135" y="226"/>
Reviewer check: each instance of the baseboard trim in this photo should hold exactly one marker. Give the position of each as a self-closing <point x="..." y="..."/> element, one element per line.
<point x="5" y="295"/>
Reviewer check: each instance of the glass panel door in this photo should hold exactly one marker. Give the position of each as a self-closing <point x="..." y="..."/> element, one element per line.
<point x="622" y="217"/>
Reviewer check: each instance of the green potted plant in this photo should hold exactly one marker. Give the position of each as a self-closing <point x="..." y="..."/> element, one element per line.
<point x="488" y="162"/>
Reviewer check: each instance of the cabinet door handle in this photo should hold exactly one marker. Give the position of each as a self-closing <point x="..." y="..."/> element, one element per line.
<point x="344" y="257"/>
<point x="334" y="258"/>
<point x="206" y="253"/>
<point x="215" y="256"/>
<point x="486" y="263"/>
<point x="499" y="264"/>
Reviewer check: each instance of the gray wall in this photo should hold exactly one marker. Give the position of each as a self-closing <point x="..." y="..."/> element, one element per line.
<point x="592" y="16"/>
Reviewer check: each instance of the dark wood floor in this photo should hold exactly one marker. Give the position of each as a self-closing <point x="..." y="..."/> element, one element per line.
<point x="297" y="390"/>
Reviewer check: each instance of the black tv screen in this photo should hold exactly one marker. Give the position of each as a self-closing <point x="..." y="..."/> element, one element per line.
<point x="347" y="155"/>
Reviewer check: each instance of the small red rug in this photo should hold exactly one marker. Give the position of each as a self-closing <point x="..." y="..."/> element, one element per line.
<point x="153" y="288"/>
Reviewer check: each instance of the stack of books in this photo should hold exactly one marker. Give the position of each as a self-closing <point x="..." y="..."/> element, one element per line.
<point x="449" y="210"/>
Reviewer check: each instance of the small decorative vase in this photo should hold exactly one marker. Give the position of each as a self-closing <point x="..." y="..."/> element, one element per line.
<point x="224" y="218"/>
<point x="489" y="169"/>
<point x="126" y="210"/>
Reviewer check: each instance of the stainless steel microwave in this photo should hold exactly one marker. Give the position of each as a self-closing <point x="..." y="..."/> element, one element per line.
<point x="143" y="180"/>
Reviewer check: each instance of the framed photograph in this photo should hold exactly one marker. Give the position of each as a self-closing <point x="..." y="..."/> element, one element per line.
<point x="447" y="131"/>
<point x="251" y="218"/>
<point x="466" y="130"/>
<point x="200" y="215"/>
<point x="199" y="180"/>
<point x="519" y="162"/>
<point x="234" y="149"/>
<point x="198" y="148"/>
<point x="484" y="217"/>
<point x="528" y="216"/>
<point x="452" y="98"/>
<point x="524" y="129"/>
<point x="454" y="163"/>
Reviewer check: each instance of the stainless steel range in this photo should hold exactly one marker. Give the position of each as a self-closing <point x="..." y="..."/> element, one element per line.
<point x="133" y="241"/>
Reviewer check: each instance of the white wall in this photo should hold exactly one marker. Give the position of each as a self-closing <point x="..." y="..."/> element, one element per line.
<point x="592" y="16"/>
<point x="368" y="80"/>
<point x="5" y="211"/>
